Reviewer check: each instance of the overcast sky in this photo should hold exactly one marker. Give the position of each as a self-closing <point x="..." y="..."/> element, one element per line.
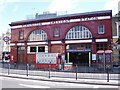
<point x="16" y="10"/>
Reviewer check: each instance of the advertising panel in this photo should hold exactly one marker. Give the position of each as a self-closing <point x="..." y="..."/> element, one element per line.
<point x="46" y="58"/>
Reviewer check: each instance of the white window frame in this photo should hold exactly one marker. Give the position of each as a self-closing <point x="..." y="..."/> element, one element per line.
<point x="101" y="30"/>
<point x="29" y="47"/>
<point x="79" y="32"/>
<point x="38" y="35"/>
<point x="119" y="31"/>
<point x="56" y="32"/>
<point x="21" y="33"/>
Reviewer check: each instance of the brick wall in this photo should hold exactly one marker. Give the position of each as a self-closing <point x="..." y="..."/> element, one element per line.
<point x="64" y="28"/>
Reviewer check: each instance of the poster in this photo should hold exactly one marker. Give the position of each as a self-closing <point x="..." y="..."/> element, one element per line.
<point x="93" y="56"/>
<point x="46" y="58"/>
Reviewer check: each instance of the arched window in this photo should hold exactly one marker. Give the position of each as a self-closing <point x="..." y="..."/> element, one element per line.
<point x="78" y="32"/>
<point x="38" y="35"/>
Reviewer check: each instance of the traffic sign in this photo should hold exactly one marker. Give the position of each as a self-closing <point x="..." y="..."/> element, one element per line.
<point x="6" y="39"/>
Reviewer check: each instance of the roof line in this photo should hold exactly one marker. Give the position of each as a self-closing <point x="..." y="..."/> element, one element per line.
<point x="67" y="16"/>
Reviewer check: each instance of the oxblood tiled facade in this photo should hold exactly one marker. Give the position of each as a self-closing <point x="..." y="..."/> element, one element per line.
<point x="59" y="44"/>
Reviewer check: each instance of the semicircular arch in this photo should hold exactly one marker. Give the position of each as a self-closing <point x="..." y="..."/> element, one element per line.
<point x="78" y="32"/>
<point x="37" y="35"/>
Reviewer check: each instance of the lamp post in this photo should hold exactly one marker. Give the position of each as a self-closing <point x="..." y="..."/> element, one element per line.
<point x="118" y="47"/>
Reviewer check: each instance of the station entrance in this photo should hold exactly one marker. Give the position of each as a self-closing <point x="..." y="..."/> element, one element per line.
<point x="80" y="56"/>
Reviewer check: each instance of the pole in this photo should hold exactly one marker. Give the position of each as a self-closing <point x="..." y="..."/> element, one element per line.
<point x="89" y="59"/>
<point x="27" y="69"/>
<point x="8" y="68"/>
<point x="49" y="69"/>
<point x="76" y="71"/>
<point x="107" y="74"/>
<point x="104" y="62"/>
<point x="3" y="63"/>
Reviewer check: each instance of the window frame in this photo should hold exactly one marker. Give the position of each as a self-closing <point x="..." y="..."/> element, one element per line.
<point x="79" y="32"/>
<point x="33" y="51"/>
<point x="41" y="47"/>
<point x="56" y="32"/>
<point x="101" y="30"/>
<point x="119" y="31"/>
<point x="21" y="35"/>
<point x="38" y="35"/>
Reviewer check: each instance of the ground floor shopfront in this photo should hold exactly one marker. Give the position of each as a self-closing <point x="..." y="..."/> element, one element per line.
<point x="76" y="53"/>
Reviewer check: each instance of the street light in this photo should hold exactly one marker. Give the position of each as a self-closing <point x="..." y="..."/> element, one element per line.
<point x="118" y="47"/>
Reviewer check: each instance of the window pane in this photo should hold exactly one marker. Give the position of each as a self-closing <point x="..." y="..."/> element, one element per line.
<point x="119" y="31"/>
<point x="78" y="32"/>
<point x="56" y="32"/>
<point x="21" y="34"/>
<point x="32" y="49"/>
<point x="41" y="49"/>
<point x="101" y="29"/>
<point x="38" y="35"/>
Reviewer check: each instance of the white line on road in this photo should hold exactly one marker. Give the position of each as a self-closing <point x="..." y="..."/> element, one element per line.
<point x="33" y="86"/>
<point x="1" y="78"/>
<point x="104" y="86"/>
<point x="96" y="86"/>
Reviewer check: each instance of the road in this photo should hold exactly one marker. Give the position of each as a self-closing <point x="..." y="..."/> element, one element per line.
<point x="8" y="82"/>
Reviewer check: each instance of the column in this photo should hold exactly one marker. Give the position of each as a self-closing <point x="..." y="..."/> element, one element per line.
<point x="15" y="53"/>
<point x="63" y="48"/>
<point x="67" y="47"/>
<point x="89" y="59"/>
<point x="49" y="48"/>
<point x="94" y="50"/>
<point x="26" y="60"/>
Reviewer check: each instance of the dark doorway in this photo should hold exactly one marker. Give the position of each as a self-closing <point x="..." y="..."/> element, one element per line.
<point x="21" y="53"/>
<point x="79" y="58"/>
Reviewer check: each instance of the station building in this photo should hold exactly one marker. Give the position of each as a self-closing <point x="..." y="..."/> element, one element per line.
<point x="76" y="36"/>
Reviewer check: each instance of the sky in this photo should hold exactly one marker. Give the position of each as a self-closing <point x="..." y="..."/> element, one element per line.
<point x="17" y="10"/>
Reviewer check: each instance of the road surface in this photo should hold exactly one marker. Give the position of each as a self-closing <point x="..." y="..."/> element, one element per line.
<point x="8" y="82"/>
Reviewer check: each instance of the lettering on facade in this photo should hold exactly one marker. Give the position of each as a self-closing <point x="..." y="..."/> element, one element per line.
<point x="64" y="21"/>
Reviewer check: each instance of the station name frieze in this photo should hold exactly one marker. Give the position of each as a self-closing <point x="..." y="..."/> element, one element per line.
<point x="63" y="21"/>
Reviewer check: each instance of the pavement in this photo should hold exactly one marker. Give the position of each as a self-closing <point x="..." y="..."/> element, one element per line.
<point x="112" y="82"/>
<point x="67" y="80"/>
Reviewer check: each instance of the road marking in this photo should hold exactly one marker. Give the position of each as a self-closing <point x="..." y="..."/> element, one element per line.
<point x="104" y="86"/>
<point x="96" y="86"/>
<point x="1" y="78"/>
<point x="33" y="86"/>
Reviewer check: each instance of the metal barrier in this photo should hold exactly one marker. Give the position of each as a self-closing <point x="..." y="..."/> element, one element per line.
<point x="78" y="72"/>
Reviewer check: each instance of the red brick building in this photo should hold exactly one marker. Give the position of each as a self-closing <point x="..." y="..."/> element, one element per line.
<point x="77" y="36"/>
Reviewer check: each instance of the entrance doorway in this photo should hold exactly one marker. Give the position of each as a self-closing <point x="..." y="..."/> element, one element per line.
<point x="81" y="58"/>
<point x="21" y="53"/>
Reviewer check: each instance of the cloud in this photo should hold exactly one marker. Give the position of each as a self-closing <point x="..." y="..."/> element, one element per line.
<point x="58" y="5"/>
<point x="62" y="5"/>
<point x="28" y="0"/>
<point x="16" y="7"/>
<point x="70" y="5"/>
<point x="112" y="5"/>
<point x="3" y="5"/>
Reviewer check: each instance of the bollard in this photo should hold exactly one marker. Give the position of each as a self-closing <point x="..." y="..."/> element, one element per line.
<point x="76" y="71"/>
<point x="107" y="75"/>
<point x="27" y="69"/>
<point x="15" y="65"/>
<point x="49" y="69"/>
<point x="3" y="63"/>
<point x="8" y="68"/>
